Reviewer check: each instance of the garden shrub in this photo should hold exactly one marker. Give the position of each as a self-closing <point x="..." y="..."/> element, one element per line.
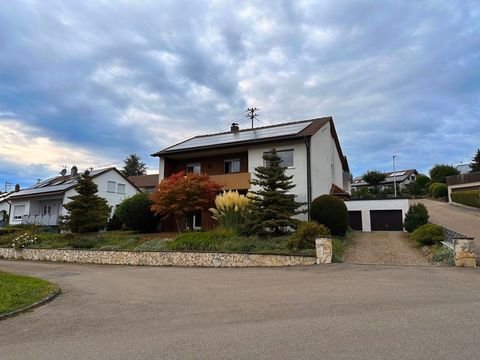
<point x="468" y="197"/>
<point x="135" y="212"/>
<point x="114" y="223"/>
<point x="438" y="190"/>
<point x="428" y="234"/>
<point x="304" y="237"/>
<point x="331" y="212"/>
<point x="231" y="209"/>
<point x="416" y="216"/>
<point x="444" y="256"/>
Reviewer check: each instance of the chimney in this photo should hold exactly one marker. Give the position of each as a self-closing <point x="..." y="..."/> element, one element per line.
<point x="74" y="171"/>
<point x="234" y="128"/>
<point x="17" y="187"/>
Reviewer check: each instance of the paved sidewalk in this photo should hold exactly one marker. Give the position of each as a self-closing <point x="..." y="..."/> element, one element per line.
<point x="384" y="248"/>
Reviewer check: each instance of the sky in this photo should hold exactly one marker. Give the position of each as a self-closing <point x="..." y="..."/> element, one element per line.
<point x="87" y="83"/>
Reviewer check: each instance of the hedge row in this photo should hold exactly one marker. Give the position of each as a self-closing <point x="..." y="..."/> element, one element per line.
<point x="468" y="197"/>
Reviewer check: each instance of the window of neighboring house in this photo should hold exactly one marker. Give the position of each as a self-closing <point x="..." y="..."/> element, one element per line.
<point x="286" y="156"/>
<point x="231" y="166"/>
<point x="18" y="212"/>
<point x="121" y="188"/>
<point x="111" y="186"/>
<point x="193" y="168"/>
<point x="47" y="210"/>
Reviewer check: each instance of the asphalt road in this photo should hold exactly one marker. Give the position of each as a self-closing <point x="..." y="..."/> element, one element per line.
<point x="320" y="312"/>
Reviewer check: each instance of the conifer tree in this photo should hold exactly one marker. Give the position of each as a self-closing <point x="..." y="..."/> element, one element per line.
<point x="475" y="165"/>
<point x="133" y="166"/>
<point x="273" y="208"/>
<point x="88" y="212"/>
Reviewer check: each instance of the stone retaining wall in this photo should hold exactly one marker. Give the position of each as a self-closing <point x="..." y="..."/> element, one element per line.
<point x="157" y="258"/>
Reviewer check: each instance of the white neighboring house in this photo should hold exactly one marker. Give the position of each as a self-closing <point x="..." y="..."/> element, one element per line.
<point x="310" y="149"/>
<point x="42" y="203"/>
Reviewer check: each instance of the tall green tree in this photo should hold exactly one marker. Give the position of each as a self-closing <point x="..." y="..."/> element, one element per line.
<point x="88" y="212"/>
<point x="475" y="165"/>
<point x="439" y="173"/>
<point x="272" y="209"/>
<point x="134" y="166"/>
<point x="374" y="178"/>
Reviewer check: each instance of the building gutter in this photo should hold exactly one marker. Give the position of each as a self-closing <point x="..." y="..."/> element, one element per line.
<point x="309" y="176"/>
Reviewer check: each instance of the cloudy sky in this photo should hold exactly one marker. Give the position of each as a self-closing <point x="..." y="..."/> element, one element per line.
<point x="89" y="82"/>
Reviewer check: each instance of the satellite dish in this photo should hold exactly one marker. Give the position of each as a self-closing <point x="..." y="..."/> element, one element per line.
<point x="63" y="172"/>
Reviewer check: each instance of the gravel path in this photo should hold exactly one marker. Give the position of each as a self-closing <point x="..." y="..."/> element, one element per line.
<point x="383" y="247"/>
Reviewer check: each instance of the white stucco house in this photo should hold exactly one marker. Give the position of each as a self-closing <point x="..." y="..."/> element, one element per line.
<point x="310" y="149"/>
<point x="42" y="203"/>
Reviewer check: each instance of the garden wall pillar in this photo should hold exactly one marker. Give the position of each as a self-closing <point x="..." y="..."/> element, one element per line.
<point x="464" y="252"/>
<point x="324" y="250"/>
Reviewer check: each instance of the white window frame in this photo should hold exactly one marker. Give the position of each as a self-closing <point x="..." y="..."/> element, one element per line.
<point x="232" y="161"/>
<point x="111" y="186"/>
<point x="124" y="188"/>
<point x="196" y="168"/>
<point x="18" y="217"/>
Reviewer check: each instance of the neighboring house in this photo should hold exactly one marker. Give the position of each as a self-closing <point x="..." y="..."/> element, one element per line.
<point x="463" y="182"/>
<point x="146" y="183"/>
<point x="4" y="208"/>
<point x="401" y="178"/>
<point x="43" y="203"/>
<point x="310" y="150"/>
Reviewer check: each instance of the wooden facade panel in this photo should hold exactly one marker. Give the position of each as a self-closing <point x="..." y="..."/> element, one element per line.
<point x="211" y="165"/>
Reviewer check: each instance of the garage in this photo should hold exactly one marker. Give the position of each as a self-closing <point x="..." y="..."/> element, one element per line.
<point x="386" y="220"/>
<point x="355" y="220"/>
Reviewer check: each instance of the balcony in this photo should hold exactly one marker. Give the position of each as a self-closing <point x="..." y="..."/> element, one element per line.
<point x="45" y="220"/>
<point x="235" y="181"/>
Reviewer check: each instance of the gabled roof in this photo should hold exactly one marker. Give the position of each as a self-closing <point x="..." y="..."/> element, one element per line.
<point x="60" y="184"/>
<point x="265" y="134"/>
<point x="145" y="180"/>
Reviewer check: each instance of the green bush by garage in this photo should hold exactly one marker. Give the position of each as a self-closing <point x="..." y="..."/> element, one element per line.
<point x="467" y="197"/>
<point x="331" y="212"/>
<point x="428" y="234"/>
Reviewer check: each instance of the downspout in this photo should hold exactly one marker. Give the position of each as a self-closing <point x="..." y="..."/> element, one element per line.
<point x="309" y="176"/>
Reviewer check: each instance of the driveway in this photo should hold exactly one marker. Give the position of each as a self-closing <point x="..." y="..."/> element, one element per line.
<point x="461" y="219"/>
<point x="336" y="311"/>
<point x="383" y="248"/>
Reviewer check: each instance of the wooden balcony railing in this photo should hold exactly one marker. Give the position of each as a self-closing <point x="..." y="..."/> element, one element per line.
<point x="235" y="181"/>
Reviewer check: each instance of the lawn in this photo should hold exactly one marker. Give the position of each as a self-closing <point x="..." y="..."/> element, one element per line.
<point x="17" y="291"/>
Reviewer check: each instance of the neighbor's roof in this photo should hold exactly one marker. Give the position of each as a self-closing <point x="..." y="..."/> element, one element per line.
<point x="400" y="175"/>
<point x="59" y="184"/>
<point x="264" y="134"/>
<point x="143" y="181"/>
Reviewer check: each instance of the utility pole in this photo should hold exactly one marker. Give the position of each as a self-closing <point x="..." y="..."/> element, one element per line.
<point x="394" y="177"/>
<point x="252" y="114"/>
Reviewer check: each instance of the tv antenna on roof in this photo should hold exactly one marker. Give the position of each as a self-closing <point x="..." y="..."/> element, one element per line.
<point x="252" y="114"/>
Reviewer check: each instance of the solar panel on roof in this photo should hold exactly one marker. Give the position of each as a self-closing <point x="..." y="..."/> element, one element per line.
<point x="231" y="138"/>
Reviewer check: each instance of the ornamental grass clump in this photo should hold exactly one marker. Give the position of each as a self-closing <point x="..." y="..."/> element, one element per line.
<point x="231" y="209"/>
<point x="23" y="240"/>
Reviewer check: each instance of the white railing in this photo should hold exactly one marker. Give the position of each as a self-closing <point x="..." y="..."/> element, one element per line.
<point x="48" y="220"/>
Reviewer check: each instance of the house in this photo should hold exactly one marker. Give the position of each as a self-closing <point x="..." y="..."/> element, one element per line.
<point x="146" y="183"/>
<point x="4" y="208"/>
<point x="401" y="178"/>
<point x="310" y="149"/>
<point x="463" y="168"/>
<point x="43" y="203"/>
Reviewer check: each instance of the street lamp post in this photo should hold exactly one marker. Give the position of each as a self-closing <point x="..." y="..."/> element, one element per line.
<point x="394" y="177"/>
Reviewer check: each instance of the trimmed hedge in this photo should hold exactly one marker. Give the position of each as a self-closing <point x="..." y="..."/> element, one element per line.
<point x="428" y="234"/>
<point x="331" y="212"/>
<point x="467" y="197"/>
<point x="438" y="190"/>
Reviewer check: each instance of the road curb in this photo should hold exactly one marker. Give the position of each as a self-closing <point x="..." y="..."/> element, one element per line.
<point x="41" y="302"/>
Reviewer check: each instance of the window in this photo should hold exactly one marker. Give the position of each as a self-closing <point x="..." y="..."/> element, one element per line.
<point x="111" y="186"/>
<point x="47" y="210"/>
<point x="286" y="156"/>
<point x="231" y="166"/>
<point x="121" y="188"/>
<point x="193" y="168"/>
<point x="18" y="212"/>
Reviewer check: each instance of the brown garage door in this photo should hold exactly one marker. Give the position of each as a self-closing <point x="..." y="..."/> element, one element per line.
<point x="355" y="220"/>
<point x="386" y="220"/>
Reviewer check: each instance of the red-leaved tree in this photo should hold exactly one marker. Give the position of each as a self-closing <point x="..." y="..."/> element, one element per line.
<point x="180" y="195"/>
